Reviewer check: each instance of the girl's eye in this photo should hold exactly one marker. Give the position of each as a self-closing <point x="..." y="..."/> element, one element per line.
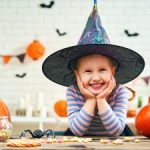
<point x="103" y="69"/>
<point x="88" y="71"/>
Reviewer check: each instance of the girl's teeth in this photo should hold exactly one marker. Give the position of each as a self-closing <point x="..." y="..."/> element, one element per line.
<point x="95" y="84"/>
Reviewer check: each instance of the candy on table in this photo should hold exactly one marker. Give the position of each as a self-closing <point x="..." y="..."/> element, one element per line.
<point x="86" y="140"/>
<point x="105" y="141"/>
<point x="51" y="140"/>
<point x="117" y="141"/>
<point x="59" y="140"/>
<point x="89" y="139"/>
<point x="128" y="139"/>
<point x="65" y="139"/>
<point x="80" y="140"/>
<point x="137" y="141"/>
<point x="24" y="143"/>
<point x="54" y="140"/>
<point x="74" y="139"/>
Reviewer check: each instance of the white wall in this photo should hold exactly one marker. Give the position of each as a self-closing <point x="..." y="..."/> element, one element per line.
<point x="23" y="20"/>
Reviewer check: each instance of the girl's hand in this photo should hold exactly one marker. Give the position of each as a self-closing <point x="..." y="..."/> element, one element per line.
<point x="87" y="94"/>
<point x="106" y="92"/>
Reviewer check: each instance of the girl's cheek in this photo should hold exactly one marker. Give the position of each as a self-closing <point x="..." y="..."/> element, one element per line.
<point x="85" y="81"/>
<point x="84" y="77"/>
<point x="106" y="77"/>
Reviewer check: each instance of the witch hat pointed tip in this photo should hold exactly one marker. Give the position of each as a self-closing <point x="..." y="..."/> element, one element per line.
<point x="94" y="32"/>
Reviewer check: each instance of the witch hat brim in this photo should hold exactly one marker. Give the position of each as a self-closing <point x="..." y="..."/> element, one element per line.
<point x="94" y="40"/>
<point x="56" y="67"/>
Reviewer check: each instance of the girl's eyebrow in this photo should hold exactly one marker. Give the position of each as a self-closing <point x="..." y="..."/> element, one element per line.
<point x="86" y="68"/>
<point x="89" y="68"/>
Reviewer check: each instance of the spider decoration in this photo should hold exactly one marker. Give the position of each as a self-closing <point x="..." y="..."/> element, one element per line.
<point x="38" y="133"/>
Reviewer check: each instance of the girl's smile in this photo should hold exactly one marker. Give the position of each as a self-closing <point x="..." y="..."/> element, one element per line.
<point x="95" y="88"/>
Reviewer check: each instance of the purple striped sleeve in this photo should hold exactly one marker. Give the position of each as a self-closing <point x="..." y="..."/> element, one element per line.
<point x="114" y="118"/>
<point x="79" y="120"/>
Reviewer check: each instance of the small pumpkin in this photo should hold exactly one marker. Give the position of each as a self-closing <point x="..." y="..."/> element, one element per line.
<point x="60" y="108"/>
<point x="35" y="50"/>
<point x="142" y="121"/>
<point x="4" y="111"/>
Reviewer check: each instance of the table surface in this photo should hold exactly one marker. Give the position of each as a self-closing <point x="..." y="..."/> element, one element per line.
<point x="144" y="144"/>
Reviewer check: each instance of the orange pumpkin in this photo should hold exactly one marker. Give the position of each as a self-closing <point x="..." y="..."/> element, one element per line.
<point x="4" y="111"/>
<point x="60" y="108"/>
<point x="35" y="50"/>
<point x="142" y="121"/>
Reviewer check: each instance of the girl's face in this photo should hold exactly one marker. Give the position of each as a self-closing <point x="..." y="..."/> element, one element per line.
<point x="95" y="71"/>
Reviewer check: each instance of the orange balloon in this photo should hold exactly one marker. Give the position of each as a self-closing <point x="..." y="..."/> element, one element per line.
<point x="4" y="111"/>
<point x="60" y="108"/>
<point x="35" y="50"/>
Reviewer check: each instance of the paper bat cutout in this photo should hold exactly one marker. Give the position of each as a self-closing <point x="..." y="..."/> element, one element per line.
<point x="131" y="34"/>
<point x="59" y="33"/>
<point x="21" y="76"/>
<point x="47" y="6"/>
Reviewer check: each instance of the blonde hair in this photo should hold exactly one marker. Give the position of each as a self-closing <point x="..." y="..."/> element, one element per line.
<point x="75" y="62"/>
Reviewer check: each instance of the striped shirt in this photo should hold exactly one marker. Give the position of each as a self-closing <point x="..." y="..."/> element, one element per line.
<point x="109" y="123"/>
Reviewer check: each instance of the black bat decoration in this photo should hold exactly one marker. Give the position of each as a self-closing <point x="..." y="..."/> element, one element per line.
<point x="59" y="33"/>
<point x="131" y="34"/>
<point x="21" y="76"/>
<point x="47" y="6"/>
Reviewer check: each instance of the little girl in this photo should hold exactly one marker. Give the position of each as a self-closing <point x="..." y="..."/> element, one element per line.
<point x="96" y="106"/>
<point x="94" y="72"/>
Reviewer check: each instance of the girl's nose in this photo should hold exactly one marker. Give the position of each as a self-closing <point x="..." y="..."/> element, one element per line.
<point x="96" y="77"/>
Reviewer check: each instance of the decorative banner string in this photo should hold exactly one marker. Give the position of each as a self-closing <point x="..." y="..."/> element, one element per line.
<point x="146" y="80"/>
<point x="6" y="58"/>
<point x="35" y="50"/>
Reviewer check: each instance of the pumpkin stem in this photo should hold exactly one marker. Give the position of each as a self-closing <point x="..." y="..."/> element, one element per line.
<point x="35" y="40"/>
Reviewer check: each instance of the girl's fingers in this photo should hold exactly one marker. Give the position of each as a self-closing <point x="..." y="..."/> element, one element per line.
<point x="80" y="84"/>
<point x="109" y="87"/>
<point x="112" y="83"/>
<point x="83" y="90"/>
